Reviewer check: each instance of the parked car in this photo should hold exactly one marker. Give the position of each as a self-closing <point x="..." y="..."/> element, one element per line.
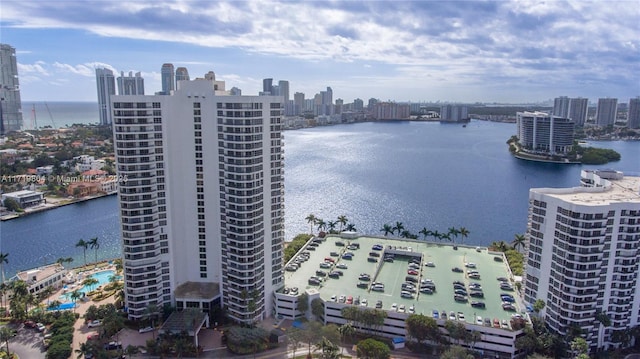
<point x="145" y="330"/>
<point x="41" y="327"/>
<point x="477" y="304"/>
<point x="429" y="264"/>
<point x="412" y="272"/>
<point x="342" y="266"/>
<point x="112" y="346"/>
<point x="457" y="270"/>
<point x="379" y="304"/>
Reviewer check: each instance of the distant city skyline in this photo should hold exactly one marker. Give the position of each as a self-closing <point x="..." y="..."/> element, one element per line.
<point x="466" y="52"/>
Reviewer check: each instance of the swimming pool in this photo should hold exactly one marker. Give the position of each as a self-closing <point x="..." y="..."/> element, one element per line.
<point x="102" y="277"/>
<point x="63" y="306"/>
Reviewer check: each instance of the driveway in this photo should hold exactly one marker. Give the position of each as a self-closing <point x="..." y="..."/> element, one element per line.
<point x="27" y="343"/>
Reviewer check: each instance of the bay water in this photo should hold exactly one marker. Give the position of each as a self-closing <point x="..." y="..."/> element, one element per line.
<point x="422" y="174"/>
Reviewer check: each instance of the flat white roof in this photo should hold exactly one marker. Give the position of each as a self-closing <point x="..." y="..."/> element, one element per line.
<point x="626" y="189"/>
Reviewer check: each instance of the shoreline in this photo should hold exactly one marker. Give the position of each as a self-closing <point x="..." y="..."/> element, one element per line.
<point x="52" y="203"/>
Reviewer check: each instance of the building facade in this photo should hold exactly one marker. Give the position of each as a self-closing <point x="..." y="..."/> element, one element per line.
<point x="106" y="84"/>
<point x="454" y="113"/>
<point x="543" y="133"/>
<point x="633" y="116"/>
<point x="168" y="78"/>
<point x="578" y="109"/>
<point x="583" y="254"/>
<point x="202" y="209"/>
<point x="182" y="74"/>
<point x="130" y="85"/>
<point x="606" y="111"/>
<point x="10" y="103"/>
<point x="561" y="106"/>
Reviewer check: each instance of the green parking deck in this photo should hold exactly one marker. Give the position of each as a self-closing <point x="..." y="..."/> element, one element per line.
<point x="392" y="275"/>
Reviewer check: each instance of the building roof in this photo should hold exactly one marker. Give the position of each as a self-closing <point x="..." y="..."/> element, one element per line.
<point x="189" y="320"/>
<point x="23" y="193"/>
<point x="40" y="273"/>
<point x="392" y="275"/>
<point x="626" y="189"/>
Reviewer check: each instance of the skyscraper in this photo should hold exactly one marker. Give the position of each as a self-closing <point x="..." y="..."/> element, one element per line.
<point x="202" y="210"/>
<point x="106" y="84"/>
<point x="582" y="256"/>
<point x="168" y="79"/>
<point x="578" y="109"/>
<point x="267" y="86"/>
<point x="298" y="103"/>
<point x="130" y="85"/>
<point x="633" y="116"/>
<point x="181" y="75"/>
<point x="561" y="106"/>
<point x="283" y="87"/>
<point x="10" y="104"/>
<point x="606" y="111"/>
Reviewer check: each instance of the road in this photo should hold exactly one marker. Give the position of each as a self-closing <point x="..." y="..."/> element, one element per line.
<point x="27" y="343"/>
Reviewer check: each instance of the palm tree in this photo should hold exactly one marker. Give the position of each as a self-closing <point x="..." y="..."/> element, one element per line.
<point x="351" y="227"/>
<point x="4" y="259"/>
<point x="398" y="228"/>
<point x="519" y="241"/>
<point x="311" y="219"/>
<point x="436" y="235"/>
<point x="342" y="219"/>
<point x="93" y="243"/>
<point x="6" y="334"/>
<point x="90" y="282"/>
<point x="85" y="348"/>
<point x="425" y="232"/>
<point x="150" y="312"/>
<point x="75" y="295"/>
<point x="453" y="232"/>
<point x="321" y="224"/>
<point x="386" y="228"/>
<point x="463" y="233"/>
<point x="346" y="331"/>
<point x="85" y="245"/>
<point x="54" y="305"/>
<point x="331" y="225"/>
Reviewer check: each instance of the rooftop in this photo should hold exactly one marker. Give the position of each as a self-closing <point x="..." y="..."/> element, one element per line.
<point x="32" y="276"/>
<point x="392" y="274"/>
<point x="625" y="189"/>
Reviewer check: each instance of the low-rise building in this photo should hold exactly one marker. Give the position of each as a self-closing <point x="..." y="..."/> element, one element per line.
<point x="38" y="279"/>
<point x="25" y="198"/>
<point x="464" y="284"/>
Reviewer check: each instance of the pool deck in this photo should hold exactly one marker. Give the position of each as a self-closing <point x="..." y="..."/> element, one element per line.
<point x="393" y="274"/>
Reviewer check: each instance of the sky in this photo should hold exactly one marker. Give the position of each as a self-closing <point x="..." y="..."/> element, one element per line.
<point x="453" y="51"/>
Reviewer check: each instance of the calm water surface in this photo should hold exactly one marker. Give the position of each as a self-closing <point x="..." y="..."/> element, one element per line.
<point x="421" y="174"/>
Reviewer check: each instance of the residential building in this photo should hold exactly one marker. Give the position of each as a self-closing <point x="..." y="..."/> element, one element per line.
<point x="582" y="256"/>
<point x="10" y="104"/>
<point x="130" y="85"/>
<point x="578" y="109"/>
<point x="106" y="85"/>
<point x="606" y="111"/>
<point x="454" y="113"/>
<point x="202" y="207"/>
<point x="298" y="103"/>
<point x="267" y="86"/>
<point x="168" y="78"/>
<point x="182" y="74"/>
<point x="561" y="106"/>
<point x="633" y="115"/>
<point x="235" y="91"/>
<point x="543" y="133"/>
<point x="390" y="111"/>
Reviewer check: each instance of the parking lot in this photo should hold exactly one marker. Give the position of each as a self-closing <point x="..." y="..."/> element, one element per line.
<point x="27" y="343"/>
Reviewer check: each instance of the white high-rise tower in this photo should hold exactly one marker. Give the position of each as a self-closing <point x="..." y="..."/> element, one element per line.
<point x="201" y="209"/>
<point x="10" y="104"/>
<point x="106" y="84"/>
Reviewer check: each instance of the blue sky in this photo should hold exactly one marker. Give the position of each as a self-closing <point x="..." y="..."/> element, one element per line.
<point x="461" y="51"/>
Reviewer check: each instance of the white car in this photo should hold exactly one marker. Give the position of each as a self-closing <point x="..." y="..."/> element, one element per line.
<point x="470" y="265"/>
<point x="145" y="330"/>
<point x="94" y="323"/>
<point x="334" y="298"/>
<point x="342" y="266"/>
<point x="363" y="302"/>
<point x="394" y="307"/>
<point x="412" y="310"/>
<point x="401" y="308"/>
<point x="342" y="298"/>
<point x="479" y="320"/>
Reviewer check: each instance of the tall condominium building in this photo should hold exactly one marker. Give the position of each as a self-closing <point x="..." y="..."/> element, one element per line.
<point x="561" y="106"/>
<point x="391" y="111"/>
<point x="106" y="84"/>
<point x="578" y="109"/>
<point x="583" y="254"/>
<point x="540" y="132"/>
<point x="606" y="111"/>
<point x="181" y="75"/>
<point x="130" y="85"/>
<point x="454" y="113"/>
<point x="168" y="78"/>
<point x="267" y="86"/>
<point x="283" y="90"/>
<point x="633" y="116"/>
<point x="201" y="206"/>
<point x="298" y="103"/>
<point x="10" y="104"/>
<point x="358" y="105"/>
